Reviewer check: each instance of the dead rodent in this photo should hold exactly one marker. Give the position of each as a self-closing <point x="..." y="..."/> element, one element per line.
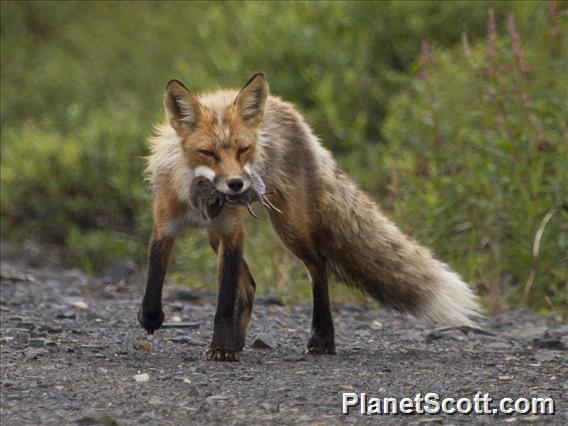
<point x="209" y="201"/>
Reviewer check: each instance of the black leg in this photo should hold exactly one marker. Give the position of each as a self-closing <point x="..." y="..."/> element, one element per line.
<point x="322" y="340"/>
<point x="150" y="315"/>
<point x="245" y="295"/>
<point x="225" y="345"/>
<point x="245" y="302"/>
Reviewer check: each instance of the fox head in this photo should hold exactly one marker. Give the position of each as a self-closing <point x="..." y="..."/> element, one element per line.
<point x="219" y="136"/>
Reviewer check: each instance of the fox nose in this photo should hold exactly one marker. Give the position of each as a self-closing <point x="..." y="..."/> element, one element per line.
<point x="235" y="184"/>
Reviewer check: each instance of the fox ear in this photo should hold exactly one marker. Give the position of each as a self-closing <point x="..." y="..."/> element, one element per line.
<point x="182" y="108"/>
<point x="251" y="100"/>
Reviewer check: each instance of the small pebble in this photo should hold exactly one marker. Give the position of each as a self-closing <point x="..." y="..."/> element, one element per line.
<point x="264" y="341"/>
<point x="270" y="407"/>
<point x="33" y="353"/>
<point x="80" y="305"/>
<point x="40" y="342"/>
<point x="213" y="399"/>
<point x="376" y="325"/>
<point x="53" y="328"/>
<point x="141" y="378"/>
<point x="192" y="391"/>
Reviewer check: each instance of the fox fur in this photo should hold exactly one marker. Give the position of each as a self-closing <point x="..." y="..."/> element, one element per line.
<point x="326" y="219"/>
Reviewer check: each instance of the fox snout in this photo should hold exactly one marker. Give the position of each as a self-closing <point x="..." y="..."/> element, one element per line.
<point x="232" y="185"/>
<point x="229" y="185"/>
<point x="235" y="184"/>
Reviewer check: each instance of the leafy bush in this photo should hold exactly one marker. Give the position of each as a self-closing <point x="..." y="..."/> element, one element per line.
<point x="477" y="156"/>
<point x="80" y="186"/>
<point x="81" y="89"/>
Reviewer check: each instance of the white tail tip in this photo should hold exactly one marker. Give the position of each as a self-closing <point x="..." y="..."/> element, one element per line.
<point x="453" y="302"/>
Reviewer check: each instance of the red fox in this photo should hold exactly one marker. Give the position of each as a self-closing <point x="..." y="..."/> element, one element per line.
<point x="227" y="137"/>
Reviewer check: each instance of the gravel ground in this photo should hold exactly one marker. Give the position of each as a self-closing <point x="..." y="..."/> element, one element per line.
<point x="72" y="353"/>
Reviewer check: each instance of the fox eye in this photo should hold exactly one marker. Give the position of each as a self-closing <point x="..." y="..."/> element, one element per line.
<point x="206" y="152"/>
<point x="243" y="149"/>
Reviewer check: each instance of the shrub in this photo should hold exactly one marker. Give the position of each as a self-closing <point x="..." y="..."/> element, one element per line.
<point x="476" y="156"/>
<point x="81" y="89"/>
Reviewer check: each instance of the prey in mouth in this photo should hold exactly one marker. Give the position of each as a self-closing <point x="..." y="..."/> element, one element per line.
<point x="210" y="201"/>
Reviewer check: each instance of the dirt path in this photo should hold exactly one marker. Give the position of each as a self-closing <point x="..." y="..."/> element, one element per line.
<point x="70" y="348"/>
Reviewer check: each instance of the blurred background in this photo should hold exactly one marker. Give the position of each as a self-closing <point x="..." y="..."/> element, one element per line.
<point x="452" y="115"/>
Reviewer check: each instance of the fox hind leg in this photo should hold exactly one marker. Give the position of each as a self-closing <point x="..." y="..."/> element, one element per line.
<point x="297" y="235"/>
<point x="322" y="340"/>
<point x="245" y="302"/>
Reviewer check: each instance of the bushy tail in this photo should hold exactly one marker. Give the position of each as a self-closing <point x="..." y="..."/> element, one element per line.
<point x="367" y="250"/>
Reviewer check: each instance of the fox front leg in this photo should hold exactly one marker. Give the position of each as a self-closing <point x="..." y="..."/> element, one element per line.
<point x="151" y="315"/>
<point x="227" y="340"/>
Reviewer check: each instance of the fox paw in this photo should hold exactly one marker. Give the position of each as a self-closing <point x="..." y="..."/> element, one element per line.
<point x="223" y="355"/>
<point x="320" y="346"/>
<point x="150" y="322"/>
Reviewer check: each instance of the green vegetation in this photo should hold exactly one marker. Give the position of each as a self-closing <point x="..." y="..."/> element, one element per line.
<point x="455" y="122"/>
<point x="480" y="158"/>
